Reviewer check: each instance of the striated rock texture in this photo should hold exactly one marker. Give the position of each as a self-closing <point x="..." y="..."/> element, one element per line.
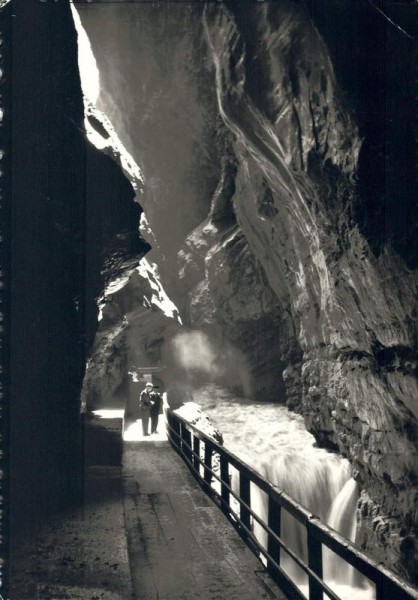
<point x="288" y="230"/>
<point x="297" y="146"/>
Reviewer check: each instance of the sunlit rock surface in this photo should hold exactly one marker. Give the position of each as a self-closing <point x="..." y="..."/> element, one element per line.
<point x="263" y="144"/>
<point x="137" y="318"/>
<point x="196" y="417"/>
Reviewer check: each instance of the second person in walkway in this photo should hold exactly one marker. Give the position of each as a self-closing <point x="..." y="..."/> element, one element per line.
<point x="150" y="405"/>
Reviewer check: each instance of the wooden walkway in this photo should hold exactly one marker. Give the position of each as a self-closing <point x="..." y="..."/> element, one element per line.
<point x="181" y="546"/>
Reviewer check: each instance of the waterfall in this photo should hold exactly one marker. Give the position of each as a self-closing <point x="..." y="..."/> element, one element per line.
<point x="342" y="519"/>
<point x="322" y="485"/>
<point x="276" y="444"/>
<point x="319" y="483"/>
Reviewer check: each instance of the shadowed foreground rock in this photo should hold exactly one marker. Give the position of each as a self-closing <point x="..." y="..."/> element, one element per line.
<point x="74" y="227"/>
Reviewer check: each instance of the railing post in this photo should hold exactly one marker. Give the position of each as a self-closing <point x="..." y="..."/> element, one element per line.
<point x="176" y="425"/>
<point x="187" y="438"/>
<point x="168" y="424"/>
<point x="225" y="480"/>
<point x="208" y="462"/>
<point x="380" y="589"/>
<point x="274" y="522"/>
<point x="386" y="590"/>
<point x="180" y="440"/>
<point x="244" y="492"/>
<point x="314" y="563"/>
<point x="196" y="449"/>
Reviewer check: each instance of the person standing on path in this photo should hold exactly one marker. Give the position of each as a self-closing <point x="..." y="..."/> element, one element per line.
<point x="155" y="410"/>
<point x="145" y="406"/>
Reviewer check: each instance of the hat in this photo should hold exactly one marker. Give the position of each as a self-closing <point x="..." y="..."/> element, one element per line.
<point x="149" y="384"/>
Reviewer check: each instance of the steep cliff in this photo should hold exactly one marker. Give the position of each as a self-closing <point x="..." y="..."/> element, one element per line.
<point x="72" y="229"/>
<point x="279" y="157"/>
<point x="354" y="311"/>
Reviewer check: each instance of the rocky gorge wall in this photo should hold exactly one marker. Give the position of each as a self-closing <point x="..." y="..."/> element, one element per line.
<point x="74" y="227"/>
<point x="278" y="160"/>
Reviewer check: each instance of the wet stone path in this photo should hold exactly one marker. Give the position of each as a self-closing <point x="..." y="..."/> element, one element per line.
<point x="181" y="546"/>
<point x="80" y="555"/>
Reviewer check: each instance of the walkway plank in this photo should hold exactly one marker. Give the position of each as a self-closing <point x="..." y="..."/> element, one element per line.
<point x="181" y="545"/>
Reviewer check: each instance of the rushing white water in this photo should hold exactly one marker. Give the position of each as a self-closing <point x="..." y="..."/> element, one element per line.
<point x="275" y="442"/>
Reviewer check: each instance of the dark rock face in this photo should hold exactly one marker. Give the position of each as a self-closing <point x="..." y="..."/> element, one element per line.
<point x="288" y="246"/>
<point x="352" y="309"/>
<point x="386" y="207"/>
<point x="75" y="226"/>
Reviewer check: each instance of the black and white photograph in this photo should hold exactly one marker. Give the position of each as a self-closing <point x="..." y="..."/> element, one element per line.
<point x="208" y="299"/>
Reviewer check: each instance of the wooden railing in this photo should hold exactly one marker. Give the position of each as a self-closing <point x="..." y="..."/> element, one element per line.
<point x="198" y="450"/>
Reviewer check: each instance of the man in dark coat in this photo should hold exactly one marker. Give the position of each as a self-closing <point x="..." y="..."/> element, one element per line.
<point x="145" y="406"/>
<point x="155" y="410"/>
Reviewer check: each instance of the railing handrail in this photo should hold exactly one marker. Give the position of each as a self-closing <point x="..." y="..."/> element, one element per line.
<point x="386" y="582"/>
